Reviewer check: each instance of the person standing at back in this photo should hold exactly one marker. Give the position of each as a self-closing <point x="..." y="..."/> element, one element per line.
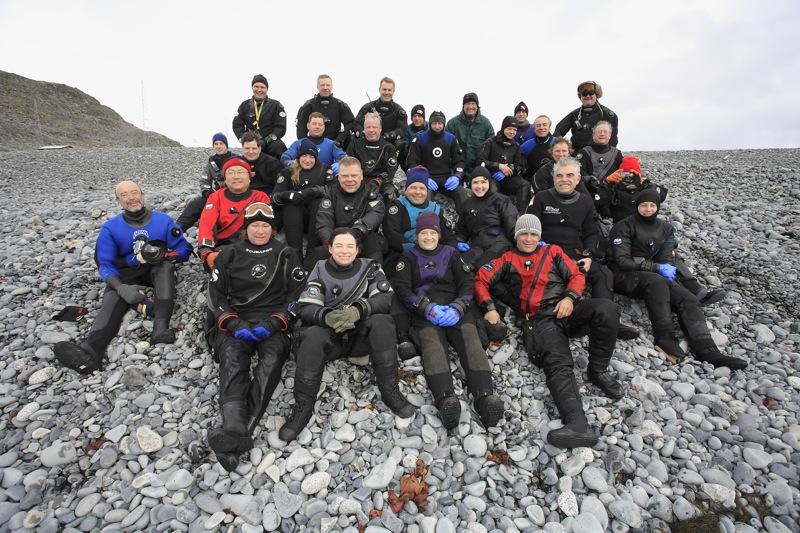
<point x="582" y="120"/>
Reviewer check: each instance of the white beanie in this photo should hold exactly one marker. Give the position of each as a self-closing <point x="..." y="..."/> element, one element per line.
<point x="528" y="224"/>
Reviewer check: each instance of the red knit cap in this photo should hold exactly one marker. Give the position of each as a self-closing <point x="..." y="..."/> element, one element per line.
<point x="236" y="162"/>
<point x="630" y="164"/>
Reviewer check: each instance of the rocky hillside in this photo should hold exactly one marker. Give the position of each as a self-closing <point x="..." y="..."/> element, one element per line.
<point x="39" y="113"/>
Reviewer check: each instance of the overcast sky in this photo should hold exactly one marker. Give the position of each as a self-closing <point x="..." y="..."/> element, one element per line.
<point x="680" y="74"/>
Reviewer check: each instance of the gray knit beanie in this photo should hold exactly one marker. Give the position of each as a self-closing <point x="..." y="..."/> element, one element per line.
<point x="528" y="224"/>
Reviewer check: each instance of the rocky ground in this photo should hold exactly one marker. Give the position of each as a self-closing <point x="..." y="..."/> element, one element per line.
<point x="689" y="448"/>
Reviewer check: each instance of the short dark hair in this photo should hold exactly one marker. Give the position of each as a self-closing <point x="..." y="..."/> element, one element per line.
<point x="345" y="231"/>
<point x="250" y="136"/>
<point x="316" y="114"/>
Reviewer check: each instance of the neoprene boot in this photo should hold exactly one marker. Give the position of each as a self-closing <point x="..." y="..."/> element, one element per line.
<point x="710" y="297"/>
<point x="163" y="312"/>
<point x="228" y="461"/>
<point x="305" y="394"/>
<point x="385" y="367"/>
<point x="406" y="350"/>
<point x="606" y="383"/>
<point x="79" y="357"/>
<point x="711" y="354"/>
<point x="444" y="398"/>
<point x="490" y="408"/>
<point x="233" y="436"/>
<point x="627" y="333"/>
<point x="576" y="432"/>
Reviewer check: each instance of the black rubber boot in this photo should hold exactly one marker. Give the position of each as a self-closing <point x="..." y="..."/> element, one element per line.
<point x="670" y="348"/>
<point x="576" y="432"/>
<point x="305" y="394"/>
<point x="491" y="409"/>
<point x="161" y="330"/>
<point x="386" y="376"/>
<point x="606" y="383"/>
<point x="444" y="398"/>
<point x="627" y="333"/>
<point x="233" y="436"/>
<point x="78" y="357"/>
<point x="711" y="354"/>
<point x="710" y="297"/>
<point x="228" y="461"/>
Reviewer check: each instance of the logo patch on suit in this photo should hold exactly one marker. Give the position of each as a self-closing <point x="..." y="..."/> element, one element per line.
<point x="617" y="241"/>
<point x="326" y="203"/>
<point x="298" y="274"/>
<point x="258" y="271"/>
<point x="400" y="266"/>
<point x="437" y="152"/>
<point x="550" y="210"/>
<point x="393" y="210"/>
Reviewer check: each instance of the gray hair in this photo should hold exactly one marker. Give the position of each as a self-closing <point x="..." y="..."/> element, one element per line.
<point x="566" y="161"/>
<point x="375" y="116"/>
<point x="603" y="123"/>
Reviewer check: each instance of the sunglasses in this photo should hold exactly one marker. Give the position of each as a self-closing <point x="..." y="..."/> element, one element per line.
<point x="588" y="93"/>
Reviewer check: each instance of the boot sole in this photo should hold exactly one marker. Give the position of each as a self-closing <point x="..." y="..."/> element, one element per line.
<point x="222" y="441"/>
<point x="713" y="299"/>
<point x="450" y="415"/>
<point x="494" y="416"/>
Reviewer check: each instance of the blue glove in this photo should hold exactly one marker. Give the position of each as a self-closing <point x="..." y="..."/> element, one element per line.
<point x="261" y="333"/>
<point x="498" y="175"/>
<point x="335" y="168"/>
<point x="436" y="314"/>
<point x="451" y="183"/>
<point x="451" y="317"/>
<point x="242" y="332"/>
<point x="432" y="185"/>
<point x="667" y="270"/>
<point x="462" y="247"/>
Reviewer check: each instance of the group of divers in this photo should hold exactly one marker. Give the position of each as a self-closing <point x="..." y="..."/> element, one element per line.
<point x="384" y="273"/>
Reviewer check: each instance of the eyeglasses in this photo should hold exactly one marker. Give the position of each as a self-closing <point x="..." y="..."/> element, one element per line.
<point x="588" y="93"/>
<point x="237" y="172"/>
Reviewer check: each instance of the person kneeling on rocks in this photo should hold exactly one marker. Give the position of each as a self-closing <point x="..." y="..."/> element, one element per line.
<point x="136" y="248"/>
<point x="541" y="283"/>
<point x="252" y="285"/>
<point x="644" y="267"/>
<point x="436" y="285"/>
<point x="345" y="307"/>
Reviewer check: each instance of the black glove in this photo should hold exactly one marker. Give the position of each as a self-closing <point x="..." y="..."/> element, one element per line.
<point x="281" y="198"/>
<point x="132" y="294"/>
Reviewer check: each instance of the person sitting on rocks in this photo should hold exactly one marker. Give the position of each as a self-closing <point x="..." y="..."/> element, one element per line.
<point x="252" y="285"/>
<point x="542" y="284"/>
<point x="436" y="285"/>
<point x="399" y="228"/>
<point x="327" y="150"/>
<point x="643" y="248"/>
<point x="345" y="307"/>
<point x="297" y="195"/>
<point x="543" y="178"/>
<point x="211" y="181"/>
<point x="581" y="120"/>
<point x="485" y="226"/>
<point x="137" y="248"/>
<point x="265" y="168"/>
<point x="618" y="193"/>
<point x="569" y="220"/>
<point x="354" y="203"/>
<point x="599" y="159"/>
<point x="223" y="216"/>
<point x="501" y="155"/>
<point x="378" y="156"/>
<point x="439" y="152"/>
<point x="263" y="115"/>
<point x="537" y="149"/>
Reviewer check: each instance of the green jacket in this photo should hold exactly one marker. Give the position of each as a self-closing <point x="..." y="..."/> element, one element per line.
<point x="470" y="135"/>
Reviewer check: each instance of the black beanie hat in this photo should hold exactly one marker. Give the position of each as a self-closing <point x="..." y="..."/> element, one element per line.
<point x="521" y="107"/>
<point x="480" y="171"/>
<point x="437" y="116"/>
<point x="649" y="195"/>
<point x="508" y="121"/>
<point x="307" y="147"/>
<point x="259" y="78"/>
<point x="470" y="97"/>
<point x="428" y="220"/>
<point x="418" y="109"/>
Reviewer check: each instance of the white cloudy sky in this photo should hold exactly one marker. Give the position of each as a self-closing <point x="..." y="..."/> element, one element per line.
<point x="680" y="74"/>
